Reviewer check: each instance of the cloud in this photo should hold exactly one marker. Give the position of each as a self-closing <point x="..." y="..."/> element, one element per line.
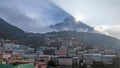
<point x="15" y="17"/>
<point x="31" y="15"/>
<point x="109" y="30"/>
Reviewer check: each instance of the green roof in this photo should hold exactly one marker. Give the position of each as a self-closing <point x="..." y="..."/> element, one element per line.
<point x="5" y="66"/>
<point x="24" y="66"/>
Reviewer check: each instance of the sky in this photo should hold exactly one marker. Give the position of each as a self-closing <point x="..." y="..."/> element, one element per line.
<point x="101" y="14"/>
<point x="31" y="15"/>
<point x="93" y="12"/>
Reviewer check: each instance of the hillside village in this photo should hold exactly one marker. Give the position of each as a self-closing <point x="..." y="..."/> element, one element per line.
<point x="69" y="56"/>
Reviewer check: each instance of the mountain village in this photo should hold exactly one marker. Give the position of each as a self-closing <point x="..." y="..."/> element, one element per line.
<point x="61" y="57"/>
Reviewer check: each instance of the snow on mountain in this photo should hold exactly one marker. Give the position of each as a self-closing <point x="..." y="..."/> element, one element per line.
<point x="70" y="24"/>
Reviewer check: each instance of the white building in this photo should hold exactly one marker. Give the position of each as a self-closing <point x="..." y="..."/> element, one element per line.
<point x="6" y="55"/>
<point x="108" y="59"/>
<point x="87" y="56"/>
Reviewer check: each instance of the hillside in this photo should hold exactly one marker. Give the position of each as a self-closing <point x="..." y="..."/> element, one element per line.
<point x="81" y="38"/>
<point x="9" y="31"/>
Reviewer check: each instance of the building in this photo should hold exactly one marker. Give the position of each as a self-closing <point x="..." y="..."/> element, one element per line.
<point x="54" y="58"/>
<point x="97" y="57"/>
<point x="108" y="59"/>
<point x="80" y="55"/>
<point x="88" y="62"/>
<point x="18" y="52"/>
<point x="67" y="61"/>
<point x="30" y="50"/>
<point x="109" y="52"/>
<point x="6" y="55"/>
<point x="30" y="56"/>
<point x="76" y="62"/>
<point x="71" y="53"/>
<point x="88" y="59"/>
<point x="62" y="52"/>
<point x="39" y="52"/>
<point x="44" y="58"/>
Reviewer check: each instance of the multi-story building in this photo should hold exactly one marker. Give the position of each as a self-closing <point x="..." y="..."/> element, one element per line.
<point x="67" y="61"/>
<point x="108" y="59"/>
<point x="62" y="52"/>
<point x="87" y="59"/>
<point x="80" y="55"/>
<point x="97" y="57"/>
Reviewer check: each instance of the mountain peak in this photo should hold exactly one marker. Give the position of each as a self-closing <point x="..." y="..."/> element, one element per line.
<point x="70" y="24"/>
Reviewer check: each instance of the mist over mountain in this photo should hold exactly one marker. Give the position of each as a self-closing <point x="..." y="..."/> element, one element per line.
<point x="35" y="14"/>
<point x="9" y="31"/>
<point x="70" y="24"/>
<point x="109" y="30"/>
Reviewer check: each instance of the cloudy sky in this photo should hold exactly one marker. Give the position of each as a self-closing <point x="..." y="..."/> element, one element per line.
<point x="31" y="15"/>
<point x="102" y="14"/>
<point x="93" y="12"/>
